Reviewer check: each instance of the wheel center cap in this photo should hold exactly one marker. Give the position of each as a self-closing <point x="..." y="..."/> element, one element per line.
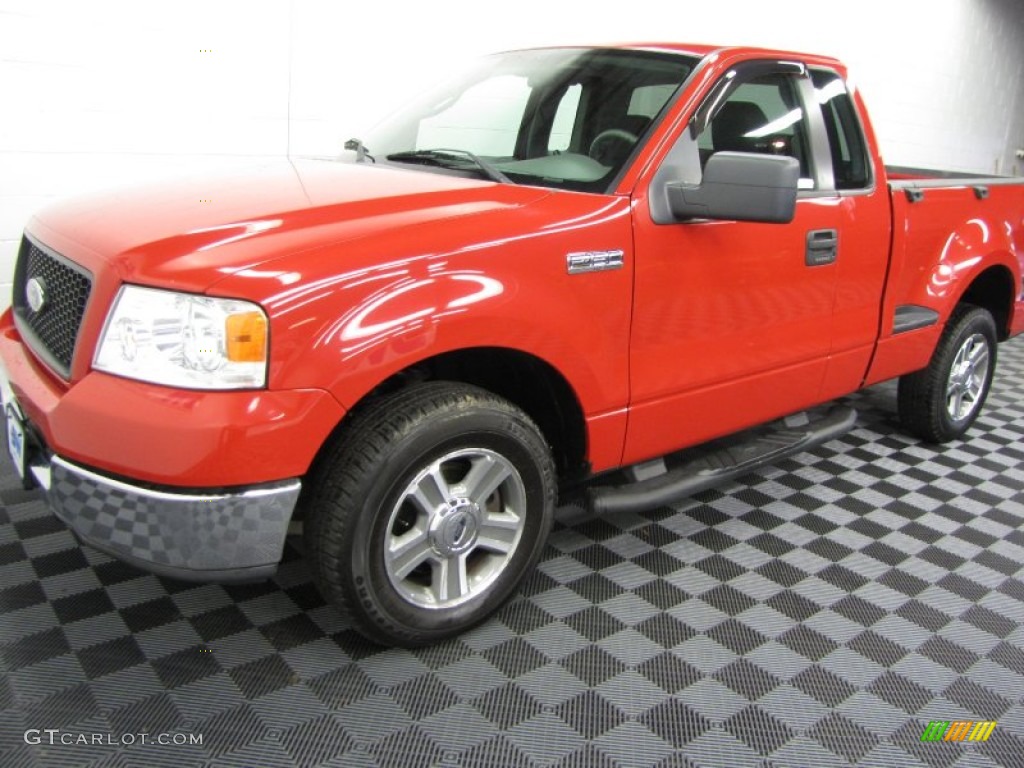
<point x="455" y="528"/>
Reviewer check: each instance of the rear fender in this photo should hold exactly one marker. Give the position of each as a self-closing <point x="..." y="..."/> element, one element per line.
<point x="934" y="266"/>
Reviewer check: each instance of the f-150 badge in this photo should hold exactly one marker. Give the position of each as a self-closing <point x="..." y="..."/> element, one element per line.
<point x="593" y="261"/>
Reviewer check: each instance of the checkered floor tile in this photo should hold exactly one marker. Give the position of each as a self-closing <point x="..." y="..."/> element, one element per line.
<point x="818" y="613"/>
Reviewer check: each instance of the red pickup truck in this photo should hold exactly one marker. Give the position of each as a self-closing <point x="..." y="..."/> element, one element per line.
<point x="562" y="263"/>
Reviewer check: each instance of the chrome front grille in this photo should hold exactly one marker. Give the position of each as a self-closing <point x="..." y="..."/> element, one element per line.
<point x="49" y="300"/>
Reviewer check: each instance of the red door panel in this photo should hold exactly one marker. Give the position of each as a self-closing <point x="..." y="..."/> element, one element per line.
<point x="730" y="326"/>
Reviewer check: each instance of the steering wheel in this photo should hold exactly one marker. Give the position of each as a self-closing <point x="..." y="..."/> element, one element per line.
<point x="603" y="144"/>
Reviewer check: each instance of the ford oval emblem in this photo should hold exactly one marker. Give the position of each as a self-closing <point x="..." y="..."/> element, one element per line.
<point x="35" y="294"/>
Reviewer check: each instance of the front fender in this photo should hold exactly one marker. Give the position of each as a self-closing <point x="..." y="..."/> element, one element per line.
<point x="489" y="281"/>
<point x="413" y="320"/>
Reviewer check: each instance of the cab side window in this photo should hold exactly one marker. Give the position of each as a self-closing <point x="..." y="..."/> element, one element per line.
<point x="850" y="164"/>
<point x="763" y="115"/>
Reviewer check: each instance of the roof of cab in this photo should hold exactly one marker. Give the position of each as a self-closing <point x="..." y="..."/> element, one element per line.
<point x="697" y="49"/>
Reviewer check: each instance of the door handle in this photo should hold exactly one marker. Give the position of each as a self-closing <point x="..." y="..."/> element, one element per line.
<point x="822" y="247"/>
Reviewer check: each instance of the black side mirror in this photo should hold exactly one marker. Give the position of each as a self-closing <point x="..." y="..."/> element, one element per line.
<point x="740" y="186"/>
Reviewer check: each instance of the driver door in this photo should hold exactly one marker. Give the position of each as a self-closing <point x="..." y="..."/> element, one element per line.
<point x="732" y="320"/>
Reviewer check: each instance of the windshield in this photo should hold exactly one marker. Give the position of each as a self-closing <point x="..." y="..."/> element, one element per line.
<point x="564" y="118"/>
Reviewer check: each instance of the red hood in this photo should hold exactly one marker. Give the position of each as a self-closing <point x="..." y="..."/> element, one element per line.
<point x="191" y="233"/>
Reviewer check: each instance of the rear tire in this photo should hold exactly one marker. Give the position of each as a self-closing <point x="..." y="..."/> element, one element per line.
<point x="941" y="402"/>
<point x="425" y="512"/>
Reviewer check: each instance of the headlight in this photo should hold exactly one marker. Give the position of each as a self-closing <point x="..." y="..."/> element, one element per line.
<point x="184" y="340"/>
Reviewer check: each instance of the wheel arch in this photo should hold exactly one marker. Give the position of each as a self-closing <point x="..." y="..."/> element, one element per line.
<point x="992" y="290"/>
<point x="527" y="381"/>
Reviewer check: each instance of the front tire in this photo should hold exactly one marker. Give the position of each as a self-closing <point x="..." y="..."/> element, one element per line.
<point x="425" y="512"/>
<point x="941" y="402"/>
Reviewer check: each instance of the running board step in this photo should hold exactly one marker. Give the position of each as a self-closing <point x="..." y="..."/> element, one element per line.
<point x="718" y="462"/>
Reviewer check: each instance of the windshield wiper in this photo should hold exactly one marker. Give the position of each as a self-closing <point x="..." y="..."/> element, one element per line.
<point x="443" y="158"/>
<point x="360" y="149"/>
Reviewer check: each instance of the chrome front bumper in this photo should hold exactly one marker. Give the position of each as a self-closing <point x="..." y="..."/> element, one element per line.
<point x="219" y="536"/>
<point x="232" y="536"/>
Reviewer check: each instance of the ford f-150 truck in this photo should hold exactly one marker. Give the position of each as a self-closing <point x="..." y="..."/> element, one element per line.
<point x="562" y="263"/>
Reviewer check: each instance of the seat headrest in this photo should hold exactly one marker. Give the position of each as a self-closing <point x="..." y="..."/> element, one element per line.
<point x="731" y="125"/>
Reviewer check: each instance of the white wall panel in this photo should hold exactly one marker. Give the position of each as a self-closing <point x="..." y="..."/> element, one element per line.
<point x="106" y="93"/>
<point x="111" y="91"/>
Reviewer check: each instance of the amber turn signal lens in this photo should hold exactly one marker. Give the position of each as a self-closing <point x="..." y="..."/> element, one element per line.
<point x="246" y="337"/>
